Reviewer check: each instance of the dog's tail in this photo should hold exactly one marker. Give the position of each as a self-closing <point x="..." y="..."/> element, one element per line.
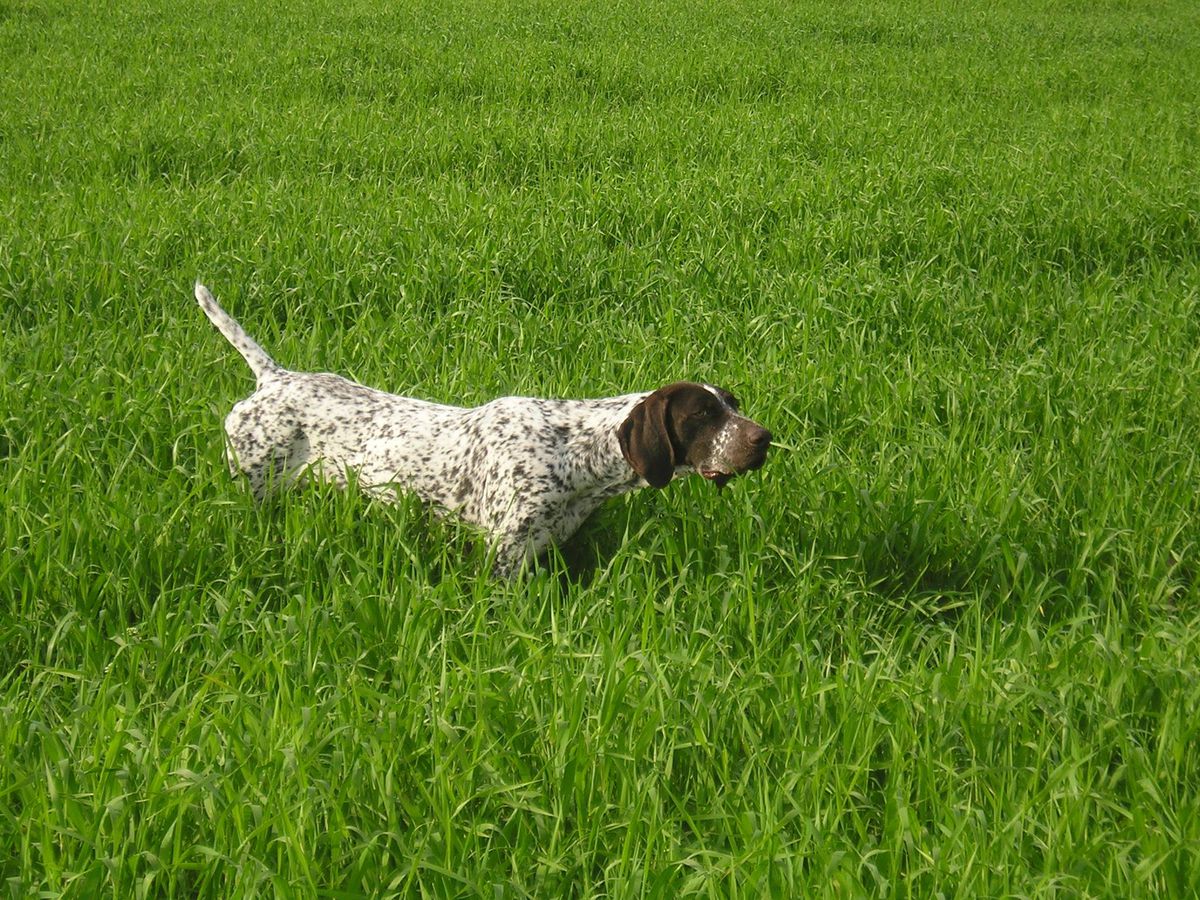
<point x="256" y="357"/>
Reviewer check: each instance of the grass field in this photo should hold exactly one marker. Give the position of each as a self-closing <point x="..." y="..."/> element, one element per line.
<point x="947" y="643"/>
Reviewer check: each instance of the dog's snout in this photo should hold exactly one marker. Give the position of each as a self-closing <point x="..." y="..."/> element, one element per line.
<point x="760" y="437"/>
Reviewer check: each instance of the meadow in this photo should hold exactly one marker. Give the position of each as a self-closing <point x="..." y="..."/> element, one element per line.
<point x="946" y="643"/>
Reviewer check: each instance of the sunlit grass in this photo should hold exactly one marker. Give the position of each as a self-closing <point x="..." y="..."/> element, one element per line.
<point x="946" y="642"/>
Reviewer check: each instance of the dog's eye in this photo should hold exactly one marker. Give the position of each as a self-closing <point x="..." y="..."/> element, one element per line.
<point x="702" y="413"/>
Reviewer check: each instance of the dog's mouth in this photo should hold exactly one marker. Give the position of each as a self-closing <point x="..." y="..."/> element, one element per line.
<point x="717" y="477"/>
<point x="724" y="472"/>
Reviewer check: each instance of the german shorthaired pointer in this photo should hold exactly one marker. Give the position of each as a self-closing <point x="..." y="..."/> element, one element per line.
<point x="526" y="471"/>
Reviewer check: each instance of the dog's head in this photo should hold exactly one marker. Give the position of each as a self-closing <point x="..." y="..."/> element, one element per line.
<point x="696" y="426"/>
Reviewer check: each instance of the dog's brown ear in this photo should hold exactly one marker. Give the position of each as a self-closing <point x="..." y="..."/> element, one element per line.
<point x="645" y="443"/>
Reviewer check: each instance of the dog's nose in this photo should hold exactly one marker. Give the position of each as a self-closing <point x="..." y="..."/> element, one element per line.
<point x="760" y="438"/>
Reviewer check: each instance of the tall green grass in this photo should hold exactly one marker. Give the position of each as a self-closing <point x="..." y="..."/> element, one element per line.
<point x="945" y="643"/>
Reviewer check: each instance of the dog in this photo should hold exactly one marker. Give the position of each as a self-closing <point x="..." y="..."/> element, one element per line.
<point x="526" y="471"/>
